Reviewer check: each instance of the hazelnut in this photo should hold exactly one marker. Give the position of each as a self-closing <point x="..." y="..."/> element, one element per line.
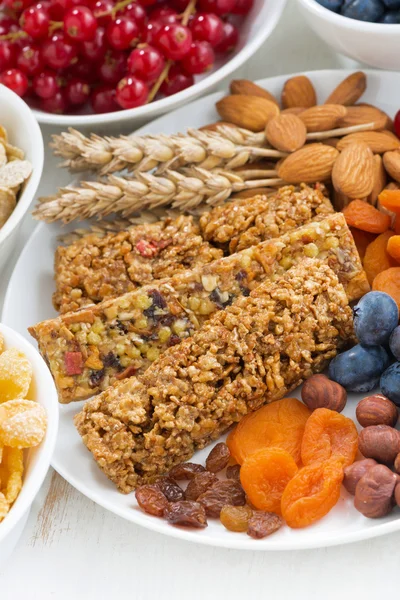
<point x="397" y="464"/>
<point x="397" y="494"/>
<point x="380" y="442"/>
<point x="374" y="492"/>
<point x="354" y="472"/>
<point x="320" y="392"/>
<point x="376" y="410"/>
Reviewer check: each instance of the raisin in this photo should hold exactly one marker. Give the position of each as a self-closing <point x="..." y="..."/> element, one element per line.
<point x="220" y="494"/>
<point x="186" y="471"/>
<point x="158" y="302"/>
<point x="111" y="360"/>
<point x="171" y="490"/>
<point x="218" y="458"/>
<point x="241" y="277"/>
<point x="151" y="499"/>
<point x="262" y="524"/>
<point x="174" y="339"/>
<point x="199" y="485"/>
<point x="121" y="326"/>
<point x="96" y="377"/>
<point x="217" y="297"/>
<point x="186" y="513"/>
<point x="233" y="472"/>
<point x="235" y="518"/>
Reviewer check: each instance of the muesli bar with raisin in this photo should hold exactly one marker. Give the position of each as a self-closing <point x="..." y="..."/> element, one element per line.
<point x="249" y="221"/>
<point x="95" y="268"/>
<point x="252" y="353"/>
<point x="89" y="349"/>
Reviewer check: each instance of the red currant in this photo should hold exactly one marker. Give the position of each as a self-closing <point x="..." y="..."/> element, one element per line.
<point x="57" y="8"/>
<point x="230" y="39"/>
<point x="136" y="12"/>
<point x="8" y="25"/>
<point x="80" y="24"/>
<point x="113" y="67"/>
<point x="56" y="104"/>
<point x="18" y="5"/>
<point x="146" y="63"/>
<point x="7" y="55"/>
<point x="102" y="6"/>
<point x="242" y="7"/>
<point x="122" y="33"/>
<point x="16" y="80"/>
<point x="147" y="2"/>
<point x="131" y="92"/>
<point x="219" y="7"/>
<point x="58" y="52"/>
<point x="180" y="5"/>
<point x="164" y="14"/>
<point x="83" y="69"/>
<point x="207" y="27"/>
<point x="35" y="21"/>
<point x="77" y="91"/>
<point x="46" y="84"/>
<point x="176" y="81"/>
<point x="96" y="48"/>
<point x="150" y="31"/>
<point x="29" y="60"/>
<point x="200" y="58"/>
<point x="103" y="99"/>
<point x="174" y="40"/>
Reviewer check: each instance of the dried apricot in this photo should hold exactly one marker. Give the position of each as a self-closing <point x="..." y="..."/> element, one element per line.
<point x="366" y="217"/>
<point x="389" y="281"/>
<point x="393" y="247"/>
<point x="376" y="257"/>
<point x="362" y="239"/>
<point x="15" y="375"/>
<point x="312" y="492"/>
<point x="390" y="199"/>
<point x="329" y="434"/>
<point x="264" y="475"/>
<point x="277" y="425"/>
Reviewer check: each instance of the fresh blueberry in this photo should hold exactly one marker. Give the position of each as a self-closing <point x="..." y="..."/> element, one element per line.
<point x="390" y="383"/>
<point x="392" y="4"/>
<point x="394" y="343"/>
<point x="363" y="10"/>
<point x="359" y="369"/>
<point x="375" y="317"/>
<point x="392" y="17"/>
<point x="333" y="5"/>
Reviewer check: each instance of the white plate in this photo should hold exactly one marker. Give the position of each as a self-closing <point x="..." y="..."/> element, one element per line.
<point x="28" y="300"/>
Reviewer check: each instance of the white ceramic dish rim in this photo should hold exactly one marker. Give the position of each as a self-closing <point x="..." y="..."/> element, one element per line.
<point x="31" y="187"/>
<point x="348" y="23"/>
<point x="36" y="477"/>
<point x="148" y="110"/>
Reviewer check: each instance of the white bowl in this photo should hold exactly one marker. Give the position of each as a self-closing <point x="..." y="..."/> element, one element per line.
<point x="24" y="132"/>
<point x="375" y="44"/>
<point x="37" y="460"/>
<point x="257" y="26"/>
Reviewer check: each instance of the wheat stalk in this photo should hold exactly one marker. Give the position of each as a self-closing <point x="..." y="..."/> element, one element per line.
<point x="184" y="189"/>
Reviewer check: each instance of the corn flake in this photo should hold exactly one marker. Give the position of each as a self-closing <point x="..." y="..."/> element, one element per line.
<point x="11" y="471"/>
<point x="4" y="506"/>
<point x="15" y="375"/>
<point x="22" y="423"/>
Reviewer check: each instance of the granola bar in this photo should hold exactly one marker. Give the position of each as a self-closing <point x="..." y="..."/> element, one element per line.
<point x="254" y="352"/>
<point x="249" y="221"/>
<point x="89" y="349"/>
<point x="95" y="268"/>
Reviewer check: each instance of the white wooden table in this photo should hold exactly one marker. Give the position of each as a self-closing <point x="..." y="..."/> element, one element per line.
<point x="73" y="549"/>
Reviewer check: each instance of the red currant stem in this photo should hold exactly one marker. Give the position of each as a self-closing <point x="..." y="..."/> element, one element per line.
<point x="189" y="10"/>
<point x="54" y="25"/>
<point x="16" y="35"/>
<point x="119" y="6"/>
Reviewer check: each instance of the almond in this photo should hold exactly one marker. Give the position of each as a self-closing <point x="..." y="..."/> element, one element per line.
<point x="349" y="90"/>
<point x="353" y="171"/>
<point x="312" y="163"/>
<point x="286" y="133"/>
<point x="340" y="201"/>
<point x="361" y="114"/>
<point x="253" y="192"/>
<point x="378" y="141"/>
<point x="298" y="91"/>
<point x="322" y="117"/>
<point x="391" y="161"/>
<point x="332" y="141"/>
<point x="249" y="88"/>
<point x="379" y="180"/>
<point x="249" y="112"/>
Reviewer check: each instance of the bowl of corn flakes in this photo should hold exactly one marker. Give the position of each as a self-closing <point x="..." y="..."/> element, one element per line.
<point x="28" y="430"/>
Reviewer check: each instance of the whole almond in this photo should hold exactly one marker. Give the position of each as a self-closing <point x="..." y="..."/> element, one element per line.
<point x="378" y="141"/>
<point x="311" y="163"/>
<point x="322" y="117"/>
<point x="294" y="110"/>
<point x="286" y="133"/>
<point x="353" y="171"/>
<point x="298" y="91"/>
<point x="333" y="141"/>
<point x="361" y="114"/>
<point x="379" y="180"/>
<point x="391" y="162"/>
<point x="249" y="112"/>
<point x="349" y="90"/>
<point x="249" y="88"/>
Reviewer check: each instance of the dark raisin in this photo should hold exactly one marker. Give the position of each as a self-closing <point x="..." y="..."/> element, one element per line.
<point x="241" y="278"/>
<point x="158" y="301"/>
<point x="233" y="472"/>
<point x="121" y="326"/>
<point x="174" y="339"/>
<point x="151" y="499"/>
<point x="186" y="513"/>
<point x="218" y="458"/>
<point x="165" y="319"/>
<point x="199" y="485"/>
<point x="112" y="360"/>
<point x="186" y="471"/>
<point x="241" y="275"/>
<point x="262" y="524"/>
<point x="245" y="291"/>
<point x="96" y="377"/>
<point x="220" y="494"/>
<point x="216" y="296"/>
<point x="171" y="490"/>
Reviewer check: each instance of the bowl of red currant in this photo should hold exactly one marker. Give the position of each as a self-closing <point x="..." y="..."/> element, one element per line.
<point x="104" y="61"/>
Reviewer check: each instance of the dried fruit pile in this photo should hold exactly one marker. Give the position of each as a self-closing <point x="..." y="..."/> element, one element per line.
<point x="67" y="53"/>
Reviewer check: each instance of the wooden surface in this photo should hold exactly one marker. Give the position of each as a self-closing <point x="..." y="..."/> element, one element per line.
<point x="72" y="549"/>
